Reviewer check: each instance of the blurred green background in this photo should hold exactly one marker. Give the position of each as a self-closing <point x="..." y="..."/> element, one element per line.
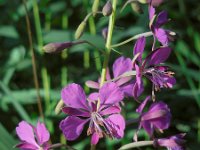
<point x="56" y="21"/>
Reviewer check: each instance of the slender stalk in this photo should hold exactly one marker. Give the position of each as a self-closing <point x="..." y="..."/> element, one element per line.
<point x="108" y="42"/>
<point x="44" y="72"/>
<point x="33" y="62"/>
<point x="136" y="145"/>
<point x="146" y="34"/>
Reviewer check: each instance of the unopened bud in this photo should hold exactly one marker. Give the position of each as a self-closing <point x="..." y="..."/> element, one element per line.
<point x="104" y="33"/>
<point x="143" y="1"/>
<point x="80" y="30"/>
<point x="56" y="47"/>
<point x="95" y="7"/>
<point x="136" y="7"/>
<point x="107" y="9"/>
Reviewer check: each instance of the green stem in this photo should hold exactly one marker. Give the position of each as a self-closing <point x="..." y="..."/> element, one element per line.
<point x="108" y="42"/>
<point x="136" y="144"/>
<point x="146" y="34"/>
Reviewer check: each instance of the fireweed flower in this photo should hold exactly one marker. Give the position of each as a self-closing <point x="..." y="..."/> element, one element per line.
<point x="32" y="138"/>
<point x="164" y="36"/>
<point x="152" y="68"/>
<point x="175" y="142"/>
<point x="101" y="110"/>
<point x="120" y="66"/>
<point x="157" y="117"/>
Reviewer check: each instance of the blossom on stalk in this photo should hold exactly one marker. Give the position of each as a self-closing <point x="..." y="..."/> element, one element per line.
<point x="120" y="66"/>
<point x="157" y="117"/>
<point x="152" y="68"/>
<point x="175" y="142"/>
<point x="100" y="109"/>
<point x="32" y="138"/>
<point x="164" y="36"/>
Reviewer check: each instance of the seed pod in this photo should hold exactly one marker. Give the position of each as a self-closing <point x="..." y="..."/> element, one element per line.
<point x="107" y="9"/>
<point x="136" y="7"/>
<point x="56" y="47"/>
<point x="80" y="30"/>
<point x="95" y="7"/>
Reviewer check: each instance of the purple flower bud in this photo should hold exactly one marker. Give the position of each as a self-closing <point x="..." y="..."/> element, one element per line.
<point x="56" y="47"/>
<point x="104" y="33"/>
<point x="173" y="142"/>
<point x="107" y="9"/>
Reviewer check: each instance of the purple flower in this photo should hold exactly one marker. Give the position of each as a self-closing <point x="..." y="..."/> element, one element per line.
<point x="171" y="143"/>
<point x="152" y="68"/>
<point x="32" y="138"/>
<point x="164" y="36"/>
<point x="120" y="66"/>
<point x="157" y="117"/>
<point x="101" y="110"/>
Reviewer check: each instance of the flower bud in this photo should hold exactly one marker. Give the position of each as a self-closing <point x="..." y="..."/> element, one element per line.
<point x="136" y="7"/>
<point x="95" y="7"/>
<point x="107" y="9"/>
<point x="56" y="47"/>
<point x="104" y="33"/>
<point x="80" y="30"/>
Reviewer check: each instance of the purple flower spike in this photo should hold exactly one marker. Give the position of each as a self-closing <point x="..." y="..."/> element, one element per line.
<point x="164" y="36"/>
<point x="152" y="68"/>
<point x="32" y="138"/>
<point x="101" y="110"/>
<point x="120" y="66"/>
<point x="157" y="117"/>
<point x="172" y="143"/>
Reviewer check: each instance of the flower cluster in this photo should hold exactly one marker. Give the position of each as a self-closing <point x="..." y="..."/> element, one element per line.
<point x="100" y="112"/>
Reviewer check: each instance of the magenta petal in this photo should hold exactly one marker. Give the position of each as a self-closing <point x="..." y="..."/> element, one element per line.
<point x="74" y="96"/>
<point x="157" y="56"/>
<point x="148" y="127"/>
<point x="162" y="36"/>
<point x="92" y="84"/>
<point x="128" y="89"/>
<point x="72" y="127"/>
<point x="151" y="12"/>
<point x="26" y="146"/>
<point x="117" y="124"/>
<point x="122" y="81"/>
<point x="162" y="18"/>
<point x="122" y="65"/>
<point x="42" y="133"/>
<point x="110" y="94"/>
<point x="138" y="86"/>
<point x="110" y="110"/>
<point x="156" y="2"/>
<point x="139" y="48"/>
<point x="143" y="104"/>
<point x="75" y="112"/>
<point x="170" y="81"/>
<point x="95" y="138"/>
<point x="93" y="96"/>
<point x="25" y="133"/>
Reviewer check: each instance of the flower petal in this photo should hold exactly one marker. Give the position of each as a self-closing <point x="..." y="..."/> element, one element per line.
<point x="72" y="127"/>
<point x="95" y="138"/>
<point x="25" y="133"/>
<point x="110" y="110"/>
<point x="128" y="89"/>
<point x="139" y="48"/>
<point x="148" y="127"/>
<point x="92" y="84"/>
<point x="110" y="94"/>
<point x="75" y="112"/>
<point x="143" y="104"/>
<point x="122" y="65"/>
<point x="157" y="56"/>
<point x="42" y="133"/>
<point x="117" y="124"/>
<point x="162" y="36"/>
<point x="162" y="18"/>
<point x="151" y="12"/>
<point x="26" y="146"/>
<point x="74" y="96"/>
<point x="138" y="86"/>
